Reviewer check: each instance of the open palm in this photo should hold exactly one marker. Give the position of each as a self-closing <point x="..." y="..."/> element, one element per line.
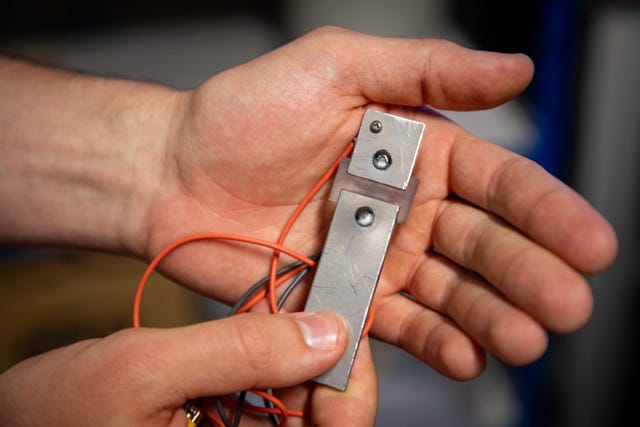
<point x="494" y="247"/>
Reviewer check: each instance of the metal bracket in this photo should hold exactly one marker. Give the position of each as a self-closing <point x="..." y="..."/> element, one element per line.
<point x="373" y="190"/>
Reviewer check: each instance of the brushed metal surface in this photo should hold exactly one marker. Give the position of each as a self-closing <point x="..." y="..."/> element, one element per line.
<point x="348" y="272"/>
<point x="345" y="181"/>
<point x="374" y="190"/>
<point x="399" y="137"/>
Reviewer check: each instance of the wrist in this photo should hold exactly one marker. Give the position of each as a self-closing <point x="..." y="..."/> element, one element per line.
<point x="146" y="121"/>
<point x="80" y="156"/>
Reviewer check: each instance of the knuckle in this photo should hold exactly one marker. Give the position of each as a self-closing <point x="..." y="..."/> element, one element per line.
<point x="329" y="30"/>
<point x="257" y="348"/>
<point x="128" y="359"/>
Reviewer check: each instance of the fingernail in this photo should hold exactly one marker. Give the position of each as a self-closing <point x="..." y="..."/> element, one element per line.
<point x="320" y="331"/>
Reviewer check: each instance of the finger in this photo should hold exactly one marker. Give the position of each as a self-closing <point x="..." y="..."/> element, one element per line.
<point x="419" y="72"/>
<point x="242" y="352"/>
<point x="358" y="404"/>
<point x="533" y="201"/>
<point x="431" y="337"/>
<point x="297" y="397"/>
<point x="502" y="329"/>
<point x="528" y="275"/>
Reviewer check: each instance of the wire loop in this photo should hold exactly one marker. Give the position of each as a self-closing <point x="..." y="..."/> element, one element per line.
<point x="264" y="288"/>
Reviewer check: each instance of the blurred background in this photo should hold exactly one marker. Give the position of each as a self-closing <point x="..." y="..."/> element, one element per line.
<point x="580" y="119"/>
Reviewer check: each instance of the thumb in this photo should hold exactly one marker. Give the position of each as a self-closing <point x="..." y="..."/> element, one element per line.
<point x="418" y="72"/>
<point x="249" y="351"/>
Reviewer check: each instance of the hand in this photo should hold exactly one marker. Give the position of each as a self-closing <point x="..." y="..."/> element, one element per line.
<point x="143" y="377"/>
<point x="511" y="242"/>
<point x="493" y="251"/>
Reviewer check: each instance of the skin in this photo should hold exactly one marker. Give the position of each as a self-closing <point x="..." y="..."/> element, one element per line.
<point x="494" y="250"/>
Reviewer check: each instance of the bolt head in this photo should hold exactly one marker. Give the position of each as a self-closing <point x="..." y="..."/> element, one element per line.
<point x="375" y="126"/>
<point x="364" y="216"/>
<point x="382" y="160"/>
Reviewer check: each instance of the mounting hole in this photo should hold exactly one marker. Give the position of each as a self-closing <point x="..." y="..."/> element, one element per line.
<point x="364" y="216"/>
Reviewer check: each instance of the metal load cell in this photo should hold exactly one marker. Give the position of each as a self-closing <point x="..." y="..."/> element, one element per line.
<point x="373" y="191"/>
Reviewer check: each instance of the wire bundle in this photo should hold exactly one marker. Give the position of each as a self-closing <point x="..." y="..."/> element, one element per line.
<point x="264" y="288"/>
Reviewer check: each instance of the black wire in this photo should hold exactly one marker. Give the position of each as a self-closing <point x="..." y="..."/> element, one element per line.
<point x="238" y="412"/>
<point x="256" y="286"/>
<point x="242" y="301"/>
<point x="268" y="404"/>
<point x="292" y="286"/>
<point x="221" y="413"/>
<point x="283" y="298"/>
<point x="406" y="294"/>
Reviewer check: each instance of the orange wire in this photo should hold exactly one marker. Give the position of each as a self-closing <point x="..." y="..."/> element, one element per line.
<point x="274" y="281"/>
<point x="203" y="236"/>
<point x="274" y="411"/>
<point x="369" y="323"/>
<point x="279" y="408"/>
<point x="284" y="412"/>
<point x="261" y="294"/>
<point x="213" y="418"/>
<point x="294" y="216"/>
